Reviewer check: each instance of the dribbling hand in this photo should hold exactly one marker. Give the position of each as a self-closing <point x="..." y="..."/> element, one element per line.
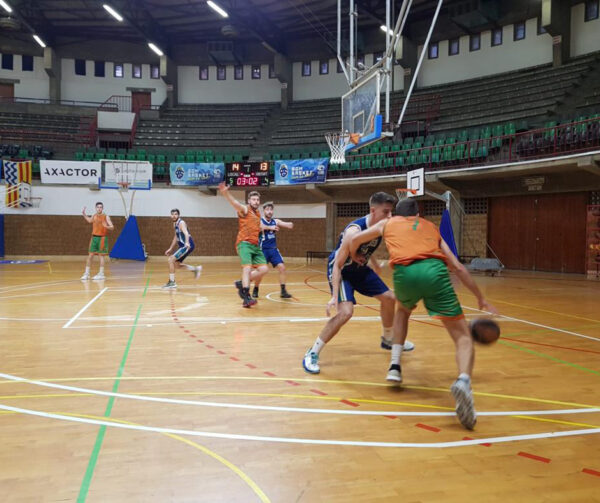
<point x="331" y="305"/>
<point x="168" y="252"/>
<point x="484" y="305"/>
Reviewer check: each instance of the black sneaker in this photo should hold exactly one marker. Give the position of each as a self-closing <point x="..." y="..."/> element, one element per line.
<point x="394" y="373"/>
<point x="285" y="294"/>
<point x="255" y="292"/>
<point x="248" y="302"/>
<point x="238" y="285"/>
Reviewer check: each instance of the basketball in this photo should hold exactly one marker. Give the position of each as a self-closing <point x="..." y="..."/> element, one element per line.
<point x="484" y="330"/>
<point x="355" y="138"/>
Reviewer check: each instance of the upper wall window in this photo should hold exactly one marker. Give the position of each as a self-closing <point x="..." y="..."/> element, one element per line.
<point x="475" y="42"/>
<point x="496" y="37"/>
<point x="377" y="57"/>
<point x="434" y="50"/>
<point x="99" y="69"/>
<point x="238" y="72"/>
<point x="80" y="67"/>
<point x="323" y="67"/>
<point x="306" y="69"/>
<point x="591" y="10"/>
<point x="519" y="33"/>
<point x="118" y="71"/>
<point x="7" y="61"/>
<point x="221" y="72"/>
<point x="154" y="72"/>
<point x="540" y="29"/>
<point x="453" y="47"/>
<point x="204" y="73"/>
<point x="27" y="63"/>
<point x="256" y="72"/>
<point x="136" y="71"/>
<point x="272" y="71"/>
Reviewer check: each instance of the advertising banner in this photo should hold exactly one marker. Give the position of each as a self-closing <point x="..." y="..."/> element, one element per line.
<point x="300" y="171"/>
<point x="199" y="173"/>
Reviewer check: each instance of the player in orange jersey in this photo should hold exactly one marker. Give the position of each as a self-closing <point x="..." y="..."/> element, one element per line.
<point x="101" y="224"/>
<point x="420" y="259"/>
<point x="254" y="264"/>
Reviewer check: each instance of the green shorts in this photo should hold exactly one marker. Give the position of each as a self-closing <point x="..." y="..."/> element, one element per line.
<point x="428" y="280"/>
<point x="99" y="245"/>
<point x="250" y="254"/>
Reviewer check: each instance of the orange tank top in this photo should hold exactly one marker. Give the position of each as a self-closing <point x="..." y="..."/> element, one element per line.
<point x="249" y="227"/>
<point x="97" y="228"/>
<point x="412" y="238"/>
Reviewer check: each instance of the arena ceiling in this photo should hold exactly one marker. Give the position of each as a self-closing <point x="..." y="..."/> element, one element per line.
<point x="173" y="22"/>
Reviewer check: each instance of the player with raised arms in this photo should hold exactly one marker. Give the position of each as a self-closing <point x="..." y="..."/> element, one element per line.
<point x="101" y="224"/>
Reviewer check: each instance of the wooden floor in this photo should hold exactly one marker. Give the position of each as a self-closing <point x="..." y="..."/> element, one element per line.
<point x="213" y="404"/>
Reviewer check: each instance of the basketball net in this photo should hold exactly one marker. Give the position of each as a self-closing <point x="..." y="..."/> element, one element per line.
<point x="338" y="142"/>
<point x="405" y="193"/>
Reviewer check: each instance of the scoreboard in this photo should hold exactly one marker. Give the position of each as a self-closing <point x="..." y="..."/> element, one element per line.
<point x="247" y="174"/>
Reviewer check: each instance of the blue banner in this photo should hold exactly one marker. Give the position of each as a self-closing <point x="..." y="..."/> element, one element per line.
<point x="295" y="172"/>
<point x="200" y="173"/>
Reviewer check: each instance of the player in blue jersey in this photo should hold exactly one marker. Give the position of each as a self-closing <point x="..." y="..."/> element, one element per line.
<point x="345" y="277"/>
<point x="268" y="245"/>
<point x="185" y="246"/>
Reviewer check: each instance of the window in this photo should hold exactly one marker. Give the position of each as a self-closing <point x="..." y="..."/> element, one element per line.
<point x="519" y="33"/>
<point x="154" y="72"/>
<point x="377" y="57"/>
<point x="27" y="63"/>
<point x="80" y="67"/>
<point x="591" y="10"/>
<point x="434" y="49"/>
<point x="99" y="69"/>
<point x="7" y="61"/>
<point x="496" y="37"/>
<point x="323" y="67"/>
<point x="475" y="42"/>
<point x="256" y="72"/>
<point x="306" y="68"/>
<point x="272" y="71"/>
<point x="221" y="72"/>
<point x="238" y="72"/>
<point x="136" y="71"/>
<point x="540" y="29"/>
<point x="204" y="73"/>
<point x="118" y="71"/>
<point x="453" y="47"/>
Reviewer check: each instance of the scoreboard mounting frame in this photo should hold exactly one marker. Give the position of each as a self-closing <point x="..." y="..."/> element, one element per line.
<point x="247" y="174"/>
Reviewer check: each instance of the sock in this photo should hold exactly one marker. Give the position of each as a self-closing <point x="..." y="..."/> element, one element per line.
<point x="87" y="270"/>
<point x="101" y="271"/>
<point x="317" y="346"/>
<point x="246" y="291"/>
<point x="283" y="287"/>
<point x="189" y="267"/>
<point x="387" y="333"/>
<point x="172" y="277"/>
<point x="465" y="377"/>
<point x="396" y="354"/>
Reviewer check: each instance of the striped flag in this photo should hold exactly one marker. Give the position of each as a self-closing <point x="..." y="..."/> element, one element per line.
<point x="18" y="183"/>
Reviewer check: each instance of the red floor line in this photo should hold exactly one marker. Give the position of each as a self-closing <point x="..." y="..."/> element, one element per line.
<point x="391" y="417"/>
<point x="234" y="358"/>
<point x="589" y="471"/>
<point x="348" y="402"/>
<point x="469" y="438"/>
<point x="427" y="427"/>
<point x="521" y="341"/>
<point x="318" y="392"/>
<point x="250" y="366"/>
<point x="209" y="346"/>
<point x="221" y="352"/>
<point x="270" y="374"/>
<point x="200" y="340"/>
<point x="534" y="457"/>
<point x="293" y="383"/>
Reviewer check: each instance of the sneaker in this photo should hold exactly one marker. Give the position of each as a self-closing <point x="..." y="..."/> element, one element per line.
<point x="387" y="344"/>
<point x="285" y="294"/>
<point x="238" y="285"/>
<point x="85" y="277"/>
<point x="311" y="362"/>
<point x="255" y="292"/>
<point x="249" y="302"/>
<point x="170" y="285"/>
<point x="394" y="373"/>
<point x="465" y="409"/>
<point x="197" y="272"/>
<point x="99" y="276"/>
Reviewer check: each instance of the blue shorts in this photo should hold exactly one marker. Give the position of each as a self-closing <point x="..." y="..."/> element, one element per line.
<point x="364" y="280"/>
<point x="273" y="256"/>
<point x="181" y="254"/>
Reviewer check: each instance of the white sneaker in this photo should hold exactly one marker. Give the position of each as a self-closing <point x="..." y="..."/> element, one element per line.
<point x="465" y="409"/>
<point x="99" y="276"/>
<point x="311" y="362"/>
<point x="394" y="373"/>
<point x="198" y="272"/>
<point x="387" y="344"/>
<point x="408" y="346"/>
<point x="85" y="277"/>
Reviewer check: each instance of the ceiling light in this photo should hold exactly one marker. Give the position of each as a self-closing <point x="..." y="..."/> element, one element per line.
<point x="7" y="7"/>
<point x="216" y="8"/>
<point x="386" y="29"/>
<point x="39" y="41"/>
<point x="113" y="12"/>
<point x="155" y="49"/>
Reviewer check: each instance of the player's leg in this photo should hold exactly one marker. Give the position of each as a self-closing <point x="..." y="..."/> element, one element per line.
<point x="195" y="270"/>
<point x="88" y="265"/>
<point x="258" y="279"/>
<point x="172" y="261"/>
<point x="102" y="244"/>
<point x="100" y="275"/>
<point x="243" y="286"/>
<point x="400" y="330"/>
<point x="278" y="262"/>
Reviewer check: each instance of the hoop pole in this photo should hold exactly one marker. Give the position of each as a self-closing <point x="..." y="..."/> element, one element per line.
<point x="339" y="41"/>
<point x="399" y="25"/>
<point x="388" y="39"/>
<point x="124" y="204"/>
<point x="421" y="58"/>
<point x="351" y="41"/>
<point x="131" y="203"/>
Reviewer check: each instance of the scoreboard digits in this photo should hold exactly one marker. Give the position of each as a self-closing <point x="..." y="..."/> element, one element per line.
<point x="247" y="174"/>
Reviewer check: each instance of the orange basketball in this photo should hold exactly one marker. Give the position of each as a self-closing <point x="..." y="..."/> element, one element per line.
<point x="484" y="330"/>
<point x="355" y="138"/>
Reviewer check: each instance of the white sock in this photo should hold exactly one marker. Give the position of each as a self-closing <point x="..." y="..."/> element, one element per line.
<point x="396" y="354"/>
<point x="101" y="271"/>
<point x="87" y="270"/>
<point x="465" y="377"/>
<point x="317" y="346"/>
<point x="388" y="333"/>
<point x="189" y="267"/>
<point x="172" y="277"/>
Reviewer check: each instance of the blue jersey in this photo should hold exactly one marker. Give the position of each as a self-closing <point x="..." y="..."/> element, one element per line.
<point x="181" y="236"/>
<point x="268" y="239"/>
<point x="366" y="249"/>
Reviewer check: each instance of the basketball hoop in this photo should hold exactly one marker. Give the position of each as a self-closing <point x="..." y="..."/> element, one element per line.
<point x="405" y="193"/>
<point x="123" y="186"/>
<point x="338" y="142"/>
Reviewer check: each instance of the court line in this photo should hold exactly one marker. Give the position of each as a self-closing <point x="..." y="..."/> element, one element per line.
<point x="306" y="441"/>
<point x="83" y="309"/>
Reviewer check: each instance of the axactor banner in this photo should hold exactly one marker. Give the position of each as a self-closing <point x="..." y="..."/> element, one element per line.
<point x="70" y="172"/>
<point x="296" y="172"/>
<point x="199" y="173"/>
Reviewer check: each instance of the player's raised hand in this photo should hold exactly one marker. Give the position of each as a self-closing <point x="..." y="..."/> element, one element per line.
<point x="223" y="187"/>
<point x="331" y="305"/>
<point x="83" y="211"/>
